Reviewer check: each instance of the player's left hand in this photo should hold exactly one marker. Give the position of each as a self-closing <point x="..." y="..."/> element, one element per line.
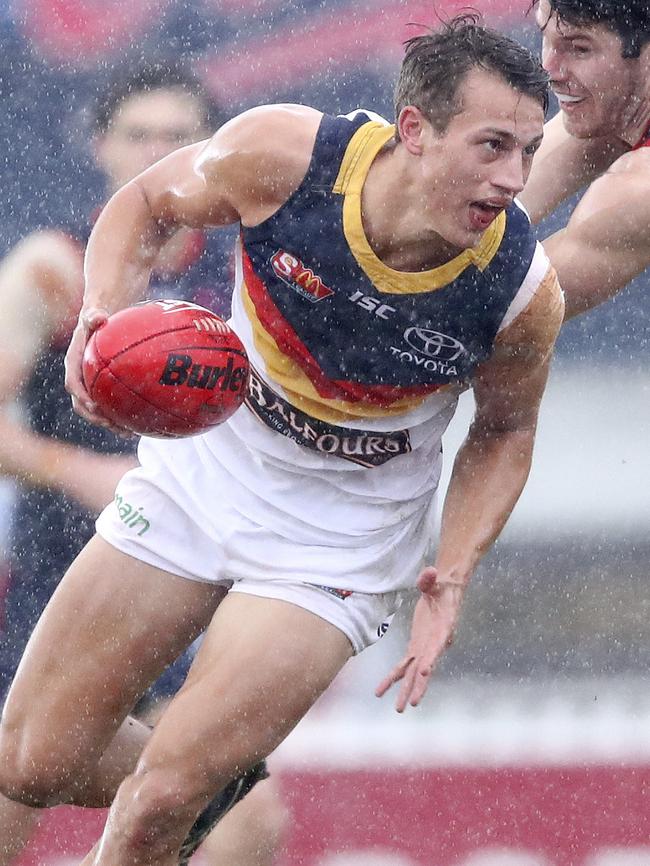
<point x="89" y="321"/>
<point x="432" y="631"/>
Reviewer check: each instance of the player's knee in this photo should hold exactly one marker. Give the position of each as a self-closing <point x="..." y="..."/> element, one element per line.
<point x="31" y="772"/>
<point x="24" y="781"/>
<point x="155" y="806"/>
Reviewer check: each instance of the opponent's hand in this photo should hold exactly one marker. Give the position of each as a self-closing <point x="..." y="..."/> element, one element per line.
<point x="89" y="321"/>
<point x="432" y="631"/>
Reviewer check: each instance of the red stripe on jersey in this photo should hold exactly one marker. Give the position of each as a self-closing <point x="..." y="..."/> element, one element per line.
<point x="292" y="346"/>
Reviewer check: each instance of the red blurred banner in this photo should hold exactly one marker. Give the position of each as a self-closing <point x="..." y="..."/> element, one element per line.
<point x="546" y="816"/>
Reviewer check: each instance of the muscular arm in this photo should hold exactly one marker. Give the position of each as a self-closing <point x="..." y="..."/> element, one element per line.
<point x="244" y="173"/>
<point x="489" y="474"/>
<point x="606" y="243"/>
<point x="562" y="166"/>
<point x="493" y="463"/>
<point x="40" y="285"/>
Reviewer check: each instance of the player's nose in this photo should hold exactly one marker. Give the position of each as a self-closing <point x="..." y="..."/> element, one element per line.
<point x="510" y="175"/>
<point x="553" y="63"/>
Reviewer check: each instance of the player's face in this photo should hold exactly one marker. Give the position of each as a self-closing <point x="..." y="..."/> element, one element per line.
<point x="594" y="84"/>
<point x="482" y="160"/>
<point x="145" y="128"/>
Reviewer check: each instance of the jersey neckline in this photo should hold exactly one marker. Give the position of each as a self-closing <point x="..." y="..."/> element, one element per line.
<point x="362" y="149"/>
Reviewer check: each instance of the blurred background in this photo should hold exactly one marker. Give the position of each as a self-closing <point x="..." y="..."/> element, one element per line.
<point x="533" y="745"/>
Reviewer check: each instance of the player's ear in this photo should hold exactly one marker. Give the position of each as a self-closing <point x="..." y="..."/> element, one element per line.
<point x="411" y="125"/>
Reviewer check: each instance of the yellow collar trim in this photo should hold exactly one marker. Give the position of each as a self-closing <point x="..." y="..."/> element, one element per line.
<point x="364" y="146"/>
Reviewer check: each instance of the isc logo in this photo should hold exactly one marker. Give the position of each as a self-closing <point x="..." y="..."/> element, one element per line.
<point x="373" y="305"/>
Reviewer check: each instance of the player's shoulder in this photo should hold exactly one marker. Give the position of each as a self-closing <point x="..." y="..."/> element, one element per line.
<point x="629" y="172"/>
<point x="272" y="132"/>
<point x="619" y="199"/>
<point x="263" y="153"/>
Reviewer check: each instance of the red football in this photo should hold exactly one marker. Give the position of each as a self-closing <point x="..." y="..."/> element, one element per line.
<point x="166" y="368"/>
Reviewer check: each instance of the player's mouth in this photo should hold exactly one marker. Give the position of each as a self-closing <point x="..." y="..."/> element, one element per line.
<point x="482" y="213"/>
<point x="568" y="102"/>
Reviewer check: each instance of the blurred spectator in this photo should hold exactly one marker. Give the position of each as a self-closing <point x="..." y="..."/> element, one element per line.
<point x="67" y="469"/>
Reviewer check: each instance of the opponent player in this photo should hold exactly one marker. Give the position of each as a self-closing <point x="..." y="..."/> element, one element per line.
<point x="597" y="53"/>
<point x="379" y="275"/>
<point x="68" y="469"/>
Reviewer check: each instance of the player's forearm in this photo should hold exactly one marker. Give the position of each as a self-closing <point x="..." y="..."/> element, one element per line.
<point x="489" y="474"/>
<point x="121" y="251"/>
<point x="42" y="462"/>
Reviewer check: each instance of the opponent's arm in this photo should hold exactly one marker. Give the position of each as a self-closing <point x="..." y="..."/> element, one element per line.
<point x="489" y="474"/>
<point x="562" y="166"/>
<point x="606" y="243"/>
<point x="41" y="282"/>
<point x="244" y="173"/>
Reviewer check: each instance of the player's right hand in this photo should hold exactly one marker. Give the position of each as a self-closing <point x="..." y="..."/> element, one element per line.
<point x="90" y="319"/>
<point x="432" y="631"/>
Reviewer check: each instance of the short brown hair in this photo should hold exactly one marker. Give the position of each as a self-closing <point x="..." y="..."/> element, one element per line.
<point x="436" y="64"/>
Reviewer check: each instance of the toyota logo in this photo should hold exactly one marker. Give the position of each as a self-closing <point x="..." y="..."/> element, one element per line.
<point x="434" y="344"/>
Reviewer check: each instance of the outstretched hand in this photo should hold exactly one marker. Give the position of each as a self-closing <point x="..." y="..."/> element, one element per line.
<point x="432" y="631"/>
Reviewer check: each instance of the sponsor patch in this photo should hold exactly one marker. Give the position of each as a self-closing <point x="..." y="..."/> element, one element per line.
<point x="131" y="516"/>
<point x="368" y="448"/>
<point x="301" y="279"/>
<point x="339" y="593"/>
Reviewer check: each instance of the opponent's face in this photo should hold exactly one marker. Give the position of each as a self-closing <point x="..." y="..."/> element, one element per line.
<point x="476" y="167"/>
<point x="594" y="84"/>
<point x="145" y="128"/>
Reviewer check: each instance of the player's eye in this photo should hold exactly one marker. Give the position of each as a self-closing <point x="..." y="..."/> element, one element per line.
<point x="493" y="145"/>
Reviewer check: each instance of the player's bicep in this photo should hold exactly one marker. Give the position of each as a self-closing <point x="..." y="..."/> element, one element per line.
<point x="245" y="172"/>
<point x="178" y="193"/>
<point x="606" y="243"/>
<point x="508" y="388"/>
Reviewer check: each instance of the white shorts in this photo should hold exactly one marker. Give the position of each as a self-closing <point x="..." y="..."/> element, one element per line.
<point x="187" y="512"/>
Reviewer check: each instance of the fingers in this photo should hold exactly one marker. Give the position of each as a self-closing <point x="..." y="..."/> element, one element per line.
<point x="393" y="677"/>
<point x="415" y="678"/>
<point x="89" y="321"/>
<point x="93" y="318"/>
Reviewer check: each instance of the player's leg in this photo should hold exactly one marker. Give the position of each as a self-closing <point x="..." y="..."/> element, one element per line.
<point x="17" y="825"/>
<point x="261" y="666"/>
<point x="251" y="834"/>
<point x="112" y="626"/>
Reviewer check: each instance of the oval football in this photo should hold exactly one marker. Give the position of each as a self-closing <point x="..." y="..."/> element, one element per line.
<point x="166" y="375"/>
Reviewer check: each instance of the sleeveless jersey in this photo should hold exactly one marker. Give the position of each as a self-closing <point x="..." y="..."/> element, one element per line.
<point x="351" y="358"/>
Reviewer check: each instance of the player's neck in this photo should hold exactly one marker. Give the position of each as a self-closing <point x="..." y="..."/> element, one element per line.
<point x="636" y="118"/>
<point x="394" y="223"/>
<point x="637" y="127"/>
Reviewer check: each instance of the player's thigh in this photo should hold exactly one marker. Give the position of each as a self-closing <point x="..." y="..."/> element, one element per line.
<point x="262" y="664"/>
<point x="113" y="624"/>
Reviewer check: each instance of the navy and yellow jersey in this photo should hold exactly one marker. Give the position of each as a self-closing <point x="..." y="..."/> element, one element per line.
<point x="344" y="338"/>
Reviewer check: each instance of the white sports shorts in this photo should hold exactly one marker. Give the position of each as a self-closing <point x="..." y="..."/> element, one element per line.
<point x="187" y="512"/>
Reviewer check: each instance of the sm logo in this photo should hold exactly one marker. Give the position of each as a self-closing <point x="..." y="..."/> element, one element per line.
<point x="301" y="279"/>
